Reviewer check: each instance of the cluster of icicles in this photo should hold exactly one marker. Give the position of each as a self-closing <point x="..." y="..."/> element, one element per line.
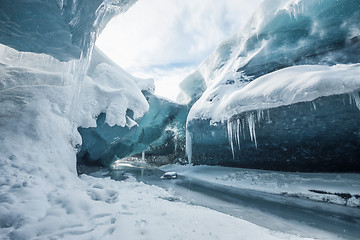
<point x="236" y="128"/>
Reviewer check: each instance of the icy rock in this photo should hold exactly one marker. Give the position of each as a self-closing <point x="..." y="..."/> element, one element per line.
<point x="169" y="175"/>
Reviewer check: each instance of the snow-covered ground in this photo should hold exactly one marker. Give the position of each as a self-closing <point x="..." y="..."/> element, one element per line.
<point x="337" y="188"/>
<point x="97" y="208"/>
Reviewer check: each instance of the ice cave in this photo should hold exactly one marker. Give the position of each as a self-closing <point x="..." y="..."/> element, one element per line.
<point x="264" y="142"/>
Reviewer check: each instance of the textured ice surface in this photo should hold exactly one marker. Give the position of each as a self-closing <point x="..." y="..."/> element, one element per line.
<point x="60" y="28"/>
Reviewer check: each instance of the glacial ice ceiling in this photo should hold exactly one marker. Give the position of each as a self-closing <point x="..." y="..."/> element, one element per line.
<point x="60" y="28"/>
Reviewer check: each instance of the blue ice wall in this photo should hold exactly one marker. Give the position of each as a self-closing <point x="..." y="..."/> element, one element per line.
<point x="158" y="133"/>
<point x="321" y="135"/>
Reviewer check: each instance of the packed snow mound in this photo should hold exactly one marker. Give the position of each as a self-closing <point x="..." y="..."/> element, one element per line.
<point x="106" y="89"/>
<point x="283" y="33"/>
<point x="60" y="28"/>
<point x="98" y="57"/>
<point x="111" y="90"/>
<point x="284" y="87"/>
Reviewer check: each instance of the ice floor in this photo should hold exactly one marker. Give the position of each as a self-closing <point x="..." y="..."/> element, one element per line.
<point x="337" y="188"/>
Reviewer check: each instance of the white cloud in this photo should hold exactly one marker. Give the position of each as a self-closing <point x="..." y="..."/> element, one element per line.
<point x="169" y="35"/>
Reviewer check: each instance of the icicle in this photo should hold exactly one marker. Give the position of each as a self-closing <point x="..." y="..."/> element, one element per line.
<point x="355" y="98"/>
<point x="143" y="156"/>
<point x="313" y="105"/>
<point x="268" y="120"/>
<point x="230" y="136"/>
<point x="251" y="122"/>
<point x="238" y="132"/>
<point x="188" y="145"/>
<point x="260" y="114"/>
<point x="243" y="128"/>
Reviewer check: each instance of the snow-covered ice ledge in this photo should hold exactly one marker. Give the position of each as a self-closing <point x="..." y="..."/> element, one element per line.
<point x="284" y="87"/>
<point x="302" y="118"/>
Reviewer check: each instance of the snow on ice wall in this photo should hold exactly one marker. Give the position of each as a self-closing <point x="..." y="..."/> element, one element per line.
<point x="60" y="28"/>
<point x="283" y="33"/>
<point x="241" y="77"/>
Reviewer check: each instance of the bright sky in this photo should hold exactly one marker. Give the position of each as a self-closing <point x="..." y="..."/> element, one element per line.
<point x="167" y="39"/>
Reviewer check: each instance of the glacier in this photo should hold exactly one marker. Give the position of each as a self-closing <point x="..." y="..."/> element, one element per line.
<point x="291" y="54"/>
<point x="63" y="101"/>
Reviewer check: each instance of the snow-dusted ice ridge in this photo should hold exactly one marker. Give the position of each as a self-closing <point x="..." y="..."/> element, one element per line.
<point x="280" y="34"/>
